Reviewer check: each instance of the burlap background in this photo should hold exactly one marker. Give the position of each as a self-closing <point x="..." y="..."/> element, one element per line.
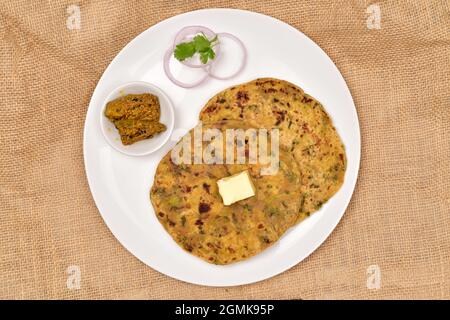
<point x="398" y="219"/>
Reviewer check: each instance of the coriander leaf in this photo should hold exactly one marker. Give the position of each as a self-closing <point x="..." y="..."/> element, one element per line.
<point x="184" y="50"/>
<point x="203" y="57"/>
<point x="199" y="44"/>
<point x="207" y="54"/>
<point x="211" y="54"/>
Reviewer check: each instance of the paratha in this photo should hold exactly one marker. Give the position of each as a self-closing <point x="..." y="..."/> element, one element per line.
<point x="306" y="130"/>
<point x="188" y="205"/>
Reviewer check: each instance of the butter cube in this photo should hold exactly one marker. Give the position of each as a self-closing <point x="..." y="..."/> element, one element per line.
<point x="236" y="187"/>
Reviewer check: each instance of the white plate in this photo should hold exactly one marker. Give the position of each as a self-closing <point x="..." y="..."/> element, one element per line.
<point x="120" y="184"/>
<point x="146" y="146"/>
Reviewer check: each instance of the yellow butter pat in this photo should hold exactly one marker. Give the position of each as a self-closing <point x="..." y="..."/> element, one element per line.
<point x="236" y="187"/>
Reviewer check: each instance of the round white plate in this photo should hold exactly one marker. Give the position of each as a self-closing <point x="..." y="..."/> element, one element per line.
<point x="120" y="184"/>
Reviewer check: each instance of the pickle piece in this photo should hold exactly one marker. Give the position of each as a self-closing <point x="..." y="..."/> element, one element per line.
<point x="143" y="106"/>
<point x="131" y="130"/>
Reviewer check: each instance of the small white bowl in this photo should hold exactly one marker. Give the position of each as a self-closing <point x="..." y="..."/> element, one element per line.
<point x="146" y="146"/>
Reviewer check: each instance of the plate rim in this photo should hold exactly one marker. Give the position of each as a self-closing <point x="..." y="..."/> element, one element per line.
<point x="318" y="242"/>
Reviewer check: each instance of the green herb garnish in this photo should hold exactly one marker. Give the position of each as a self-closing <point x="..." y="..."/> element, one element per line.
<point x="200" y="44"/>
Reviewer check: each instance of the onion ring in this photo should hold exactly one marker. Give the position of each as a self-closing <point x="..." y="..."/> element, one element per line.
<point x="244" y="58"/>
<point x="207" y="67"/>
<point x="169" y="74"/>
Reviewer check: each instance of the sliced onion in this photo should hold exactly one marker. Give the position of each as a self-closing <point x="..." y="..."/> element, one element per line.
<point x="169" y="74"/>
<point x="207" y="67"/>
<point x="243" y="61"/>
<point x="184" y="34"/>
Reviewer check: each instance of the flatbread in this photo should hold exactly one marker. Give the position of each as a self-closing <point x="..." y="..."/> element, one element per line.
<point x="188" y="205"/>
<point x="305" y="129"/>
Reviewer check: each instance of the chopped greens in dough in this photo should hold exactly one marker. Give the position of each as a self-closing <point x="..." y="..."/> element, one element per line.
<point x="188" y="204"/>
<point x="312" y="167"/>
<point x="305" y="129"/>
